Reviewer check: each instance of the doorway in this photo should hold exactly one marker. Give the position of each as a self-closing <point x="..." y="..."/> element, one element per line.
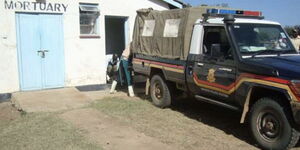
<point x="40" y="50"/>
<point x="116" y="34"/>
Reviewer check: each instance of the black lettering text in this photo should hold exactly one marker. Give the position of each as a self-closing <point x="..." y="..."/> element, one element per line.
<point x="65" y="7"/>
<point x="9" y="5"/>
<point x="42" y="6"/>
<point x="26" y="5"/>
<point x="49" y="7"/>
<point x="18" y="5"/>
<point x="34" y="5"/>
<point x="57" y="7"/>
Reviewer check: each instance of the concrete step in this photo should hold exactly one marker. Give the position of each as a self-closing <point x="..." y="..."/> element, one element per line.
<point x="50" y="100"/>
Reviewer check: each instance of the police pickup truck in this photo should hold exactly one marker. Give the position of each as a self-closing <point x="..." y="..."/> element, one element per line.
<point x="236" y="60"/>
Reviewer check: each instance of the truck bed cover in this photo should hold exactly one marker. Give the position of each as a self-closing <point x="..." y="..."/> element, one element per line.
<point x="165" y="34"/>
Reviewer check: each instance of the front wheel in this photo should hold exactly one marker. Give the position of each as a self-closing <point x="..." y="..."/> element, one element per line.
<point x="160" y="92"/>
<point x="271" y="125"/>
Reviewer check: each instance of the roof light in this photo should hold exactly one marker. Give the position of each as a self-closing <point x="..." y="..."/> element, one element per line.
<point x="224" y="11"/>
<point x="234" y="12"/>
<point x="252" y="13"/>
<point x="213" y="11"/>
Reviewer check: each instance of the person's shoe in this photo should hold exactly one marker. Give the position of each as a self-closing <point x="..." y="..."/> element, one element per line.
<point x="130" y="91"/>
<point x="113" y="87"/>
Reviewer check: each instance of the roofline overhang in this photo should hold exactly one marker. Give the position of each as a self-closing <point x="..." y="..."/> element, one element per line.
<point x="175" y="3"/>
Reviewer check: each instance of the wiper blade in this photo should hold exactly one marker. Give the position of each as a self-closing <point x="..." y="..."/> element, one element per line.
<point x="286" y="52"/>
<point x="263" y="52"/>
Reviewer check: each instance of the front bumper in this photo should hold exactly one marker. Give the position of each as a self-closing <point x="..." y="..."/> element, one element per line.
<point x="296" y="111"/>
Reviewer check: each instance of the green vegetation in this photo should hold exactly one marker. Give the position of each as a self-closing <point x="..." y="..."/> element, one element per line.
<point x="42" y="131"/>
<point x="163" y="124"/>
<point x="289" y="29"/>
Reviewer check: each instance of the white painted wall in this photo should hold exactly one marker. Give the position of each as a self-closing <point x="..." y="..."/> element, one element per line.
<point x="85" y="60"/>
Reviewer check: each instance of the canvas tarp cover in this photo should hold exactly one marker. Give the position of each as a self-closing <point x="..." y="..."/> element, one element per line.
<point x="165" y="34"/>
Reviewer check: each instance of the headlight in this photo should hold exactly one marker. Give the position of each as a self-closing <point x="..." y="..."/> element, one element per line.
<point x="295" y="86"/>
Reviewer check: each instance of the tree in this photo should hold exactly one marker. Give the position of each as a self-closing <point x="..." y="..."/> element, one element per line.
<point x="289" y="29"/>
<point x="225" y="5"/>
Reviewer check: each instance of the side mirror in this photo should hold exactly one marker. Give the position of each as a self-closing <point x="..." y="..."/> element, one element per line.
<point x="215" y="51"/>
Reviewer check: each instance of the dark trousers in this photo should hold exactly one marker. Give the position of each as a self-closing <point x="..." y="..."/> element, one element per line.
<point x="124" y="64"/>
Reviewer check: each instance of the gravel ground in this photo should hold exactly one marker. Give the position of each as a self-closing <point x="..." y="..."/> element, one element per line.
<point x="186" y="125"/>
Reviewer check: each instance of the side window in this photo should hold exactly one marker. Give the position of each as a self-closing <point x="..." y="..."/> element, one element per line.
<point x="171" y="27"/>
<point x="216" y="36"/>
<point x="148" y="29"/>
<point x="89" y="16"/>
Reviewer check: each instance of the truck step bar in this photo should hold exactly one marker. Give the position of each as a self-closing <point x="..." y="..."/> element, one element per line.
<point x="211" y="101"/>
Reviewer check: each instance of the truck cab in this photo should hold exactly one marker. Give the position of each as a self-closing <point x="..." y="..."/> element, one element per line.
<point x="248" y="65"/>
<point x="233" y="51"/>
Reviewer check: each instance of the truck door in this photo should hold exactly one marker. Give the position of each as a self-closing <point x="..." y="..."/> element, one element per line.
<point x="212" y="73"/>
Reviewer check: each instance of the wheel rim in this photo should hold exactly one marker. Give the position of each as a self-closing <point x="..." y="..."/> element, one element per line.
<point x="269" y="125"/>
<point x="158" y="90"/>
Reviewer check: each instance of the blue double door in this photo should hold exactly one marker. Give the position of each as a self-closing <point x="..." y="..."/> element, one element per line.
<point x="40" y="51"/>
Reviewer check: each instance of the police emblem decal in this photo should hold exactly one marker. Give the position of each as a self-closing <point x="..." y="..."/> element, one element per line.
<point x="211" y="76"/>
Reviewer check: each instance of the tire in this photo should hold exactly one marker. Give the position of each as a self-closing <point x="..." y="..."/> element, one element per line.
<point x="160" y="92"/>
<point x="270" y="125"/>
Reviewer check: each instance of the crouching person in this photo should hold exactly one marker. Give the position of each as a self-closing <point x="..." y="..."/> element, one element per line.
<point x="124" y="70"/>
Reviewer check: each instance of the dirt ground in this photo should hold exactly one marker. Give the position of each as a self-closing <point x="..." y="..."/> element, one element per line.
<point x="115" y="122"/>
<point x="187" y="124"/>
<point x="39" y="131"/>
<point x="111" y="133"/>
<point x="8" y="113"/>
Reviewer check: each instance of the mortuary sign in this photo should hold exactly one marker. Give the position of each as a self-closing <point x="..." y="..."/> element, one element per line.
<point x="35" y="6"/>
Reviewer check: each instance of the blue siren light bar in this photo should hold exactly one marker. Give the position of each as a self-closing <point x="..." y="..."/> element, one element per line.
<point x="234" y="12"/>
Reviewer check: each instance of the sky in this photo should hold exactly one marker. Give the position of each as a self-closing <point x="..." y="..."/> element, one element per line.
<point x="286" y="12"/>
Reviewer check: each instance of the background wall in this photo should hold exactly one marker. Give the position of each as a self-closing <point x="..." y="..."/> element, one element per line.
<point x="85" y="59"/>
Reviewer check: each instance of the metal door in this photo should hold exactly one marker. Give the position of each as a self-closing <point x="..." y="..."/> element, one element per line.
<point x="40" y="51"/>
<point x="52" y="44"/>
<point x="209" y="76"/>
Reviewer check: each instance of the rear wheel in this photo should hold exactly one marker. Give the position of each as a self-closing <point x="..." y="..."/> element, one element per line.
<point x="160" y="92"/>
<point x="271" y="125"/>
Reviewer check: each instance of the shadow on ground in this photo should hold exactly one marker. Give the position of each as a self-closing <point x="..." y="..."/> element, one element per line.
<point x="215" y="116"/>
<point x="211" y="115"/>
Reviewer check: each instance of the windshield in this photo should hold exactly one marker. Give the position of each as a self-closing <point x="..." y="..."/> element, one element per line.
<point x="255" y="39"/>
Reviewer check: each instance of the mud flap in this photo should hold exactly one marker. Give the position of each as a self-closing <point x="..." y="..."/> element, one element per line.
<point x="147" y="87"/>
<point x="246" y="106"/>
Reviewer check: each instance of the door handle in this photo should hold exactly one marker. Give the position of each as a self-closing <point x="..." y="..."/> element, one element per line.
<point x="190" y="70"/>
<point x="42" y="52"/>
<point x="200" y="64"/>
<point x="225" y="69"/>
